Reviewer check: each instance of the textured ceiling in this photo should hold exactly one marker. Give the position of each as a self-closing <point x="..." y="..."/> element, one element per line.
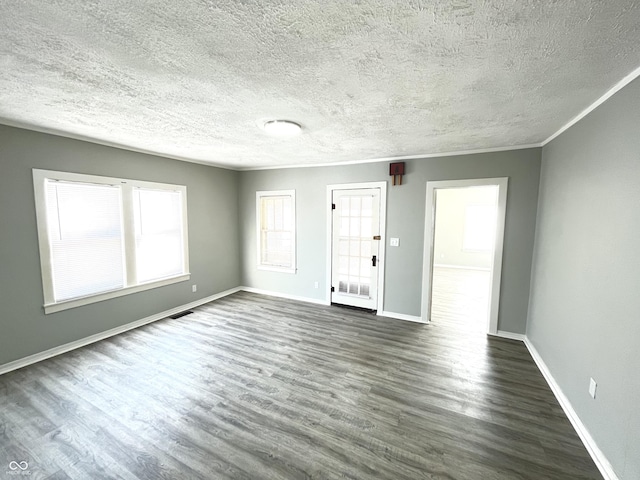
<point x="367" y="79"/>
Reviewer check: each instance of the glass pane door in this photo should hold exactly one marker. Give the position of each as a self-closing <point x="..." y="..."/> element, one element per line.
<point x="355" y="251"/>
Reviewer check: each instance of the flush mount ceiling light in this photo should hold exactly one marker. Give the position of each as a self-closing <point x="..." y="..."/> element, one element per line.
<point x="282" y="128"/>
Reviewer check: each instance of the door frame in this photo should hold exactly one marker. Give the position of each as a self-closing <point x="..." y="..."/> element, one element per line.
<point x="429" y="231"/>
<point x="383" y="230"/>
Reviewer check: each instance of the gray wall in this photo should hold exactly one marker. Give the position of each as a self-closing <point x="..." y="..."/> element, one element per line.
<point x="405" y="219"/>
<point x="451" y="206"/>
<point x="584" y="316"/>
<point x="213" y="239"/>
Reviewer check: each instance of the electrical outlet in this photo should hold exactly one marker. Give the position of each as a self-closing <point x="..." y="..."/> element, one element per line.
<point x="315" y="285"/>
<point x="592" y="387"/>
<point x="394" y="242"/>
<point x="194" y="288"/>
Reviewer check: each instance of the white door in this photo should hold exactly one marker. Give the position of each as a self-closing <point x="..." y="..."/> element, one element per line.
<point x="355" y="244"/>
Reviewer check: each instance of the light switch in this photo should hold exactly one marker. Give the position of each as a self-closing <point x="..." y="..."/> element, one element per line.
<point x="394" y="242"/>
<point x="592" y="387"/>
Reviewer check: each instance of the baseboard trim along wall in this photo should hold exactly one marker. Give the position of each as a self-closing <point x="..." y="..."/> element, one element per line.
<point x="510" y="335"/>
<point x="270" y="293"/>
<point x="67" y="347"/>
<point x="398" y="316"/>
<point x="402" y="316"/>
<point x="596" y="454"/>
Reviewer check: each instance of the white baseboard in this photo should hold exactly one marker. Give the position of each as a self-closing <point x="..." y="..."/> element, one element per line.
<point x="399" y="316"/>
<point x="596" y="454"/>
<point x="510" y="335"/>
<point x="402" y="316"/>
<point x="67" y="347"/>
<point x="284" y="295"/>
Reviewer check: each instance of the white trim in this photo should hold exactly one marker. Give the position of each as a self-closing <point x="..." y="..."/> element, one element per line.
<point x="429" y="227"/>
<point x="106" y="143"/>
<point x="126" y="189"/>
<point x="51" y="131"/>
<point x="271" y="293"/>
<point x="276" y="193"/>
<point x="402" y="316"/>
<point x="276" y="269"/>
<point x="590" y="444"/>
<point x="612" y="91"/>
<point x="99" y="297"/>
<point x="329" y="260"/>
<point x="67" y="347"/>
<point x="510" y="335"/>
<point x="461" y="267"/>
<point x="383" y="233"/>
<point x="397" y="158"/>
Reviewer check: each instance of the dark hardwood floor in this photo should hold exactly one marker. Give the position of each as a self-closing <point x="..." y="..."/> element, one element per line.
<point x="254" y="387"/>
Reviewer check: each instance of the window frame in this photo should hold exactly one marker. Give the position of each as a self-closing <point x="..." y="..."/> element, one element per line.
<point x="276" y="193"/>
<point x="127" y="187"/>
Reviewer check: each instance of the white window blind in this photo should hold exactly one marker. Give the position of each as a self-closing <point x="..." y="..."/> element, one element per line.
<point x="158" y="225"/>
<point x="276" y="230"/>
<point x="105" y="237"/>
<point x="85" y="229"/>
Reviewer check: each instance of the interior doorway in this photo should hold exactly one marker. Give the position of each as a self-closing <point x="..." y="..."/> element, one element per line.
<point x="464" y="232"/>
<point x="356" y="248"/>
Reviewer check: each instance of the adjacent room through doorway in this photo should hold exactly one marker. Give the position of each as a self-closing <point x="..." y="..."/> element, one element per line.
<point x="463" y="252"/>
<point x="464" y="242"/>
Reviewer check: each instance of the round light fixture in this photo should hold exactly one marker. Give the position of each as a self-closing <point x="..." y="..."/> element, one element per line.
<point x="281" y="128"/>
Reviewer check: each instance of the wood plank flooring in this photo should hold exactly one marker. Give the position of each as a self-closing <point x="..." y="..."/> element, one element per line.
<point x="460" y="297"/>
<point x="253" y="387"/>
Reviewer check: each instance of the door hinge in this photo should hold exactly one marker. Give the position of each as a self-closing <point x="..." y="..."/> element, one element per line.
<point x="333" y="206"/>
<point x="333" y="289"/>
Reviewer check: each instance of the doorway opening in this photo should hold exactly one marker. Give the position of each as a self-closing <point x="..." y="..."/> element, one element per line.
<point x="464" y="232"/>
<point x="356" y="221"/>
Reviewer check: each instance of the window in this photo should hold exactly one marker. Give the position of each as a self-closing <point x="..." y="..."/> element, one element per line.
<point x="105" y="237"/>
<point x="276" y="233"/>
<point x="479" y="228"/>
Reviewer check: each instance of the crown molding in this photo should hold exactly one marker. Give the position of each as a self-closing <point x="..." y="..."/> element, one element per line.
<point x="396" y="158"/>
<point x="612" y="91"/>
<point x="105" y="143"/>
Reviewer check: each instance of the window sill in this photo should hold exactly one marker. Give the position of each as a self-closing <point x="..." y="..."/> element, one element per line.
<point x="78" y="302"/>
<point x="276" y="269"/>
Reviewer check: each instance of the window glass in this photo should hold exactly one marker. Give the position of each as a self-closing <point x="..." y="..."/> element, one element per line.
<point x="479" y="228"/>
<point x="104" y="237"/>
<point x="85" y="225"/>
<point x="276" y="230"/>
<point x="158" y="226"/>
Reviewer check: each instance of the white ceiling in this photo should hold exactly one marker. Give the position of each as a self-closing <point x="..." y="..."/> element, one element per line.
<point x="192" y="79"/>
